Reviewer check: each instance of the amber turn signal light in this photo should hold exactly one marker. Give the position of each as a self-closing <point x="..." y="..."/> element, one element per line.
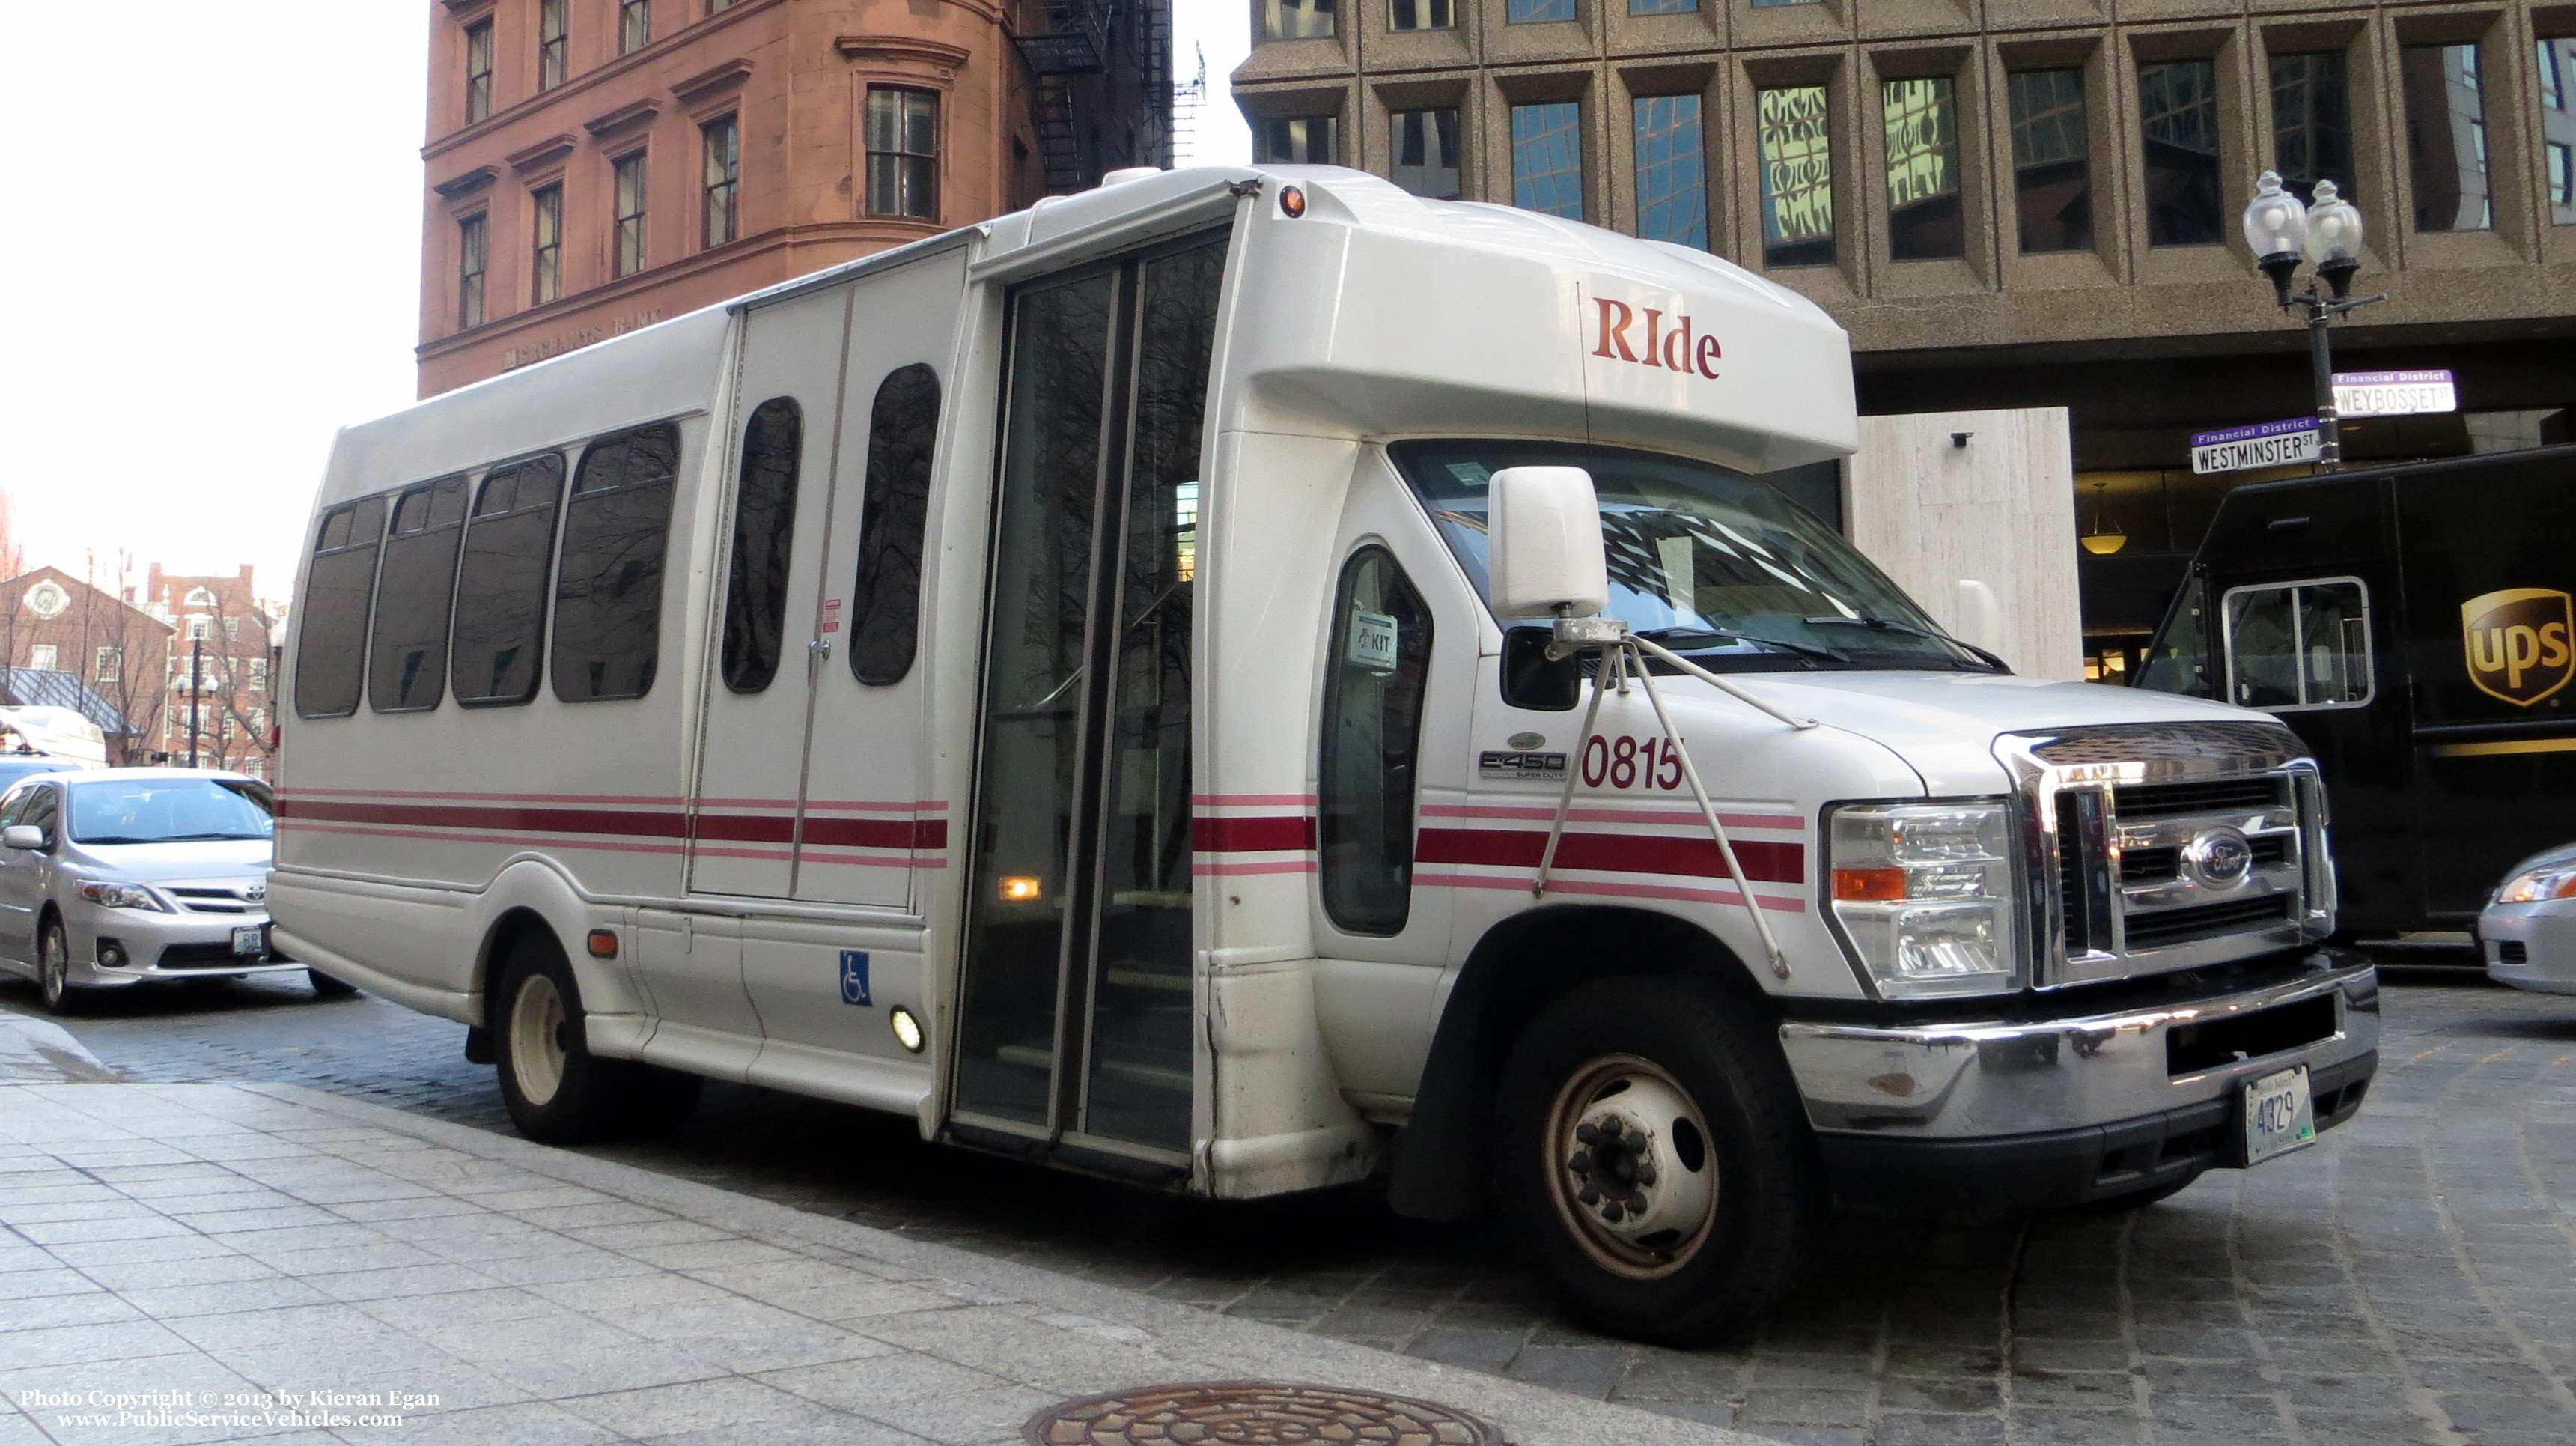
<point x="1019" y="889"/>
<point x="1869" y="885"/>
<point x="1292" y="202"/>
<point x="603" y="943"/>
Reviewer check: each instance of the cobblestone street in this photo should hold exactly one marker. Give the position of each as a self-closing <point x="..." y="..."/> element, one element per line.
<point x="2411" y="1279"/>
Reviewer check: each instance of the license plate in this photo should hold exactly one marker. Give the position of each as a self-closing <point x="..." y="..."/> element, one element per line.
<point x="2280" y="1115"/>
<point x="250" y="940"/>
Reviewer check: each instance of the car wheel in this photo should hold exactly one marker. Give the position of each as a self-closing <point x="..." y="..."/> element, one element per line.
<point x="328" y="987"/>
<point x="54" y="969"/>
<point x="557" y="1091"/>
<point x="1652" y="1160"/>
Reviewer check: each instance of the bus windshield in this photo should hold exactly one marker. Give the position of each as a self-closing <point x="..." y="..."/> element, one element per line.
<point x="1707" y="561"/>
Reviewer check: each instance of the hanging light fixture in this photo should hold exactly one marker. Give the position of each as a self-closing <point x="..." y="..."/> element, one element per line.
<point x="2102" y="539"/>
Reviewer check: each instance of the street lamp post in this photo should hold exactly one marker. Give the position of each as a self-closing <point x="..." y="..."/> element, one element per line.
<point x="196" y="689"/>
<point x="2328" y="234"/>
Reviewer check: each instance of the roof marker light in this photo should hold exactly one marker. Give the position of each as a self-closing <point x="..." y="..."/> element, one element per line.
<point x="1292" y="202"/>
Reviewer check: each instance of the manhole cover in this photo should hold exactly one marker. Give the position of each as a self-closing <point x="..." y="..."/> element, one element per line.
<point x="1256" y="1415"/>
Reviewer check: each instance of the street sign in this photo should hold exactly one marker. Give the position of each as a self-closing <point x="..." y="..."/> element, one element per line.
<point x="2394" y="394"/>
<point x="2263" y="444"/>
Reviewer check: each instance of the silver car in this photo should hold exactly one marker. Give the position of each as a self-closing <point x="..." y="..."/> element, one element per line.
<point x="2528" y="931"/>
<point x="111" y="877"/>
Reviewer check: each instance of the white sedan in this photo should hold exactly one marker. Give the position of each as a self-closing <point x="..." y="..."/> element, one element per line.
<point x="2528" y="932"/>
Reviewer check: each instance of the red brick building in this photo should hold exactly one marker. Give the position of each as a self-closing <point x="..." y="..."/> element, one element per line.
<point x="599" y="165"/>
<point x="222" y="641"/>
<point x="52" y="623"/>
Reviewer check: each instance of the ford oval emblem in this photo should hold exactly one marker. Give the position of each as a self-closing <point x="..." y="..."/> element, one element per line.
<point x="2220" y="857"/>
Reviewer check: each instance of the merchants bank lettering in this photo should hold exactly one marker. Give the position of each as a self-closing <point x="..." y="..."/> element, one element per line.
<point x="1670" y="346"/>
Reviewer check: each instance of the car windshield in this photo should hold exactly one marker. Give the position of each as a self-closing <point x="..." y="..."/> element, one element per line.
<point x="168" y="810"/>
<point x="1707" y="561"/>
<point x="13" y="769"/>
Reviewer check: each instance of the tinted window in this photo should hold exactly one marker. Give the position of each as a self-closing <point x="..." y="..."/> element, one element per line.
<point x="2178" y="113"/>
<point x="501" y="582"/>
<point x="608" y="595"/>
<point x="331" y="643"/>
<point x="173" y="810"/>
<point x="887" y="595"/>
<point x="2303" y="645"/>
<point x="1373" y="689"/>
<point x="407" y="664"/>
<point x="2052" y="165"/>
<point x="764" y="532"/>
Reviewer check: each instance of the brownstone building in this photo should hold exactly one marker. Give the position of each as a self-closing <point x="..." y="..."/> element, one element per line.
<point x="70" y="643"/>
<point x="599" y="165"/>
<point x="222" y="643"/>
<point x="2030" y="203"/>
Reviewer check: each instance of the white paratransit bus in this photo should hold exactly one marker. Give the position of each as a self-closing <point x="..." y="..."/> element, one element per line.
<point x="1245" y="680"/>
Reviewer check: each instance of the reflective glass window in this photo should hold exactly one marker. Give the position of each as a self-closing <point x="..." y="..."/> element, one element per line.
<point x="1672" y="170"/>
<point x="2299" y="645"/>
<point x="1922" y="124"/>
<point x="2446" y="137"/>
<point x="1420" y="15"/>
<point x="903" y="152"/>
<point x="903" y="430"/>
<point x="2052" y="166"/>
<point x="1535" y="12"/>
<point x="608" y="590"/>
<point x="501" y="583"/>
<point x="1374" y="683"/>
<point x="415" y="589"/>
<point x="1793" y="142"/>
<point x="2311" y="122"/>
<point x="1306" y="140"/>
<point x="1547" y="158"/>
<point x="2178" y="124"/>
<point x="339" y="586"/>
<point x="1297" y="19"/>
<point x="764" y="539"/>
<point x="1424" y="144"/>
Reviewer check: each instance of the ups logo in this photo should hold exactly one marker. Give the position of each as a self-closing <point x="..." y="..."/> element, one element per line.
<point x="2521" y="642"/>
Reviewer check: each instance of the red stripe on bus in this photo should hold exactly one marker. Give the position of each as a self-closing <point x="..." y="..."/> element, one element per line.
<point x="1612" y="853"/>
<point x="629" y="823"/>
<point x="1269" y="834"/>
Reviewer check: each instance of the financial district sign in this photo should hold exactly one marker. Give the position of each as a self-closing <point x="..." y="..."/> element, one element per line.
<point x="2262" y="444"/>
<point x="2394" y="394"/>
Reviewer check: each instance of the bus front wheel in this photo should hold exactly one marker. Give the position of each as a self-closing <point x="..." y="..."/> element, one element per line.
<point x="1652" y="1160"/>
<point x="557" y="1091"/>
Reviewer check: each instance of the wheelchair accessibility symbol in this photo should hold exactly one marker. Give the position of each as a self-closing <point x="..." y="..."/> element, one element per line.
<point x="854" y="976"/>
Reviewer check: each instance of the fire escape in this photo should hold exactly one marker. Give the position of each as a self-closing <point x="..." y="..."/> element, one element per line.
<point x="1076" y="42"/>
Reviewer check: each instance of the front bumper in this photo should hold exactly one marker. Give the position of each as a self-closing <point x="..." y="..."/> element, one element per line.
<point x="2051" y="1111"/>
<point x="2530" y="946"/>
<point x="160" y="946"/>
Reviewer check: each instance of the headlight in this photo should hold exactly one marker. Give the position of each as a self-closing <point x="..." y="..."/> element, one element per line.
<point x="123" y="896"/>
<point x="2557" y="881"/>
<point x="1923" y="895"/>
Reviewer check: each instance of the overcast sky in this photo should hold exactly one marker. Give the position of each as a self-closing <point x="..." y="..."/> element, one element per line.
<point x="221" y="264"/>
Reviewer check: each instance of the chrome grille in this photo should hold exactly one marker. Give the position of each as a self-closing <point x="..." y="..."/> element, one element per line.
<point x="2169" y="848"/>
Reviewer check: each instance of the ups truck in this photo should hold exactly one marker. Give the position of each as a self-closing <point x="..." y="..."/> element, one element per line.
<point x="2412" y="624"/>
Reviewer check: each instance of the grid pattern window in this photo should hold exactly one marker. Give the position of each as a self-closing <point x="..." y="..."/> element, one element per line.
<point x="608" y="589"/>
<point x="473" y="257"/>
<point x="416" y="589"/>
<point x="634" y="25"/>
<point x="109" y="665"/>
<point x="1672" y="170"/>
<point x="1424" y="146"/>
<point x="1420" y="14"/>
<point x="903" y="153"/>
<point x="722" y="142"/>
<point x="545" y="244"/>
<point x="42" y="657"/>
<point x="478" y="71"/>
<point x="1547" y="158"/>
<point x="1794" y="141"/>
<point x="1924" y="219"/>
<point x="629" y="240"/>
<point x="2311" y="121"/>
<point x="2446" y="137"/>
<point x="554" y="43"/>
<point x="501" y="583"/>
<point x="2178" y="126"/>
<point x="1297" y="19"/>
<point x="1538" y="12"/>
<point x="1303" y="140"/>
<point x="2052" y="163"/>
<point x="1662" y="7"/>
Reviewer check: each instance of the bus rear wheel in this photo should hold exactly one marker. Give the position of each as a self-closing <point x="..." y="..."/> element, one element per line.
<point x="1653" y="1162"/>
<point x="557" y="1091"/>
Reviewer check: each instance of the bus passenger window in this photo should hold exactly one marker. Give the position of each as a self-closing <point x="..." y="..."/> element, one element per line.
<point x="407" y="660"/>
<point x="608" y="591"/>
<point x="2299" y="645"/>
<point x="764" y="535"/>
<point x="501" y="583"/>
<point x="331" y="642"/>
<point x="886" y="597"/>
<point x="1373" y="689"/>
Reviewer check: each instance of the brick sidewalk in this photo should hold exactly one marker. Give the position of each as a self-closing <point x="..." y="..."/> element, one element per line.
<point x="223" y="1241"/>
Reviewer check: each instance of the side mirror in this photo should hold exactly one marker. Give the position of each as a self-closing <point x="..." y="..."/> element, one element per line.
<point x="22" y="836"/>
<point x="1543" y="543"/>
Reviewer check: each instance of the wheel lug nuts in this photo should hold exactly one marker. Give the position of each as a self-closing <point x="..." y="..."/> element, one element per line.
<point x="1580" y="1162"/>
<point x="1645" y="1172"/>
<point x="1587" y="1134"/>
<point x="1588" y="1195"/>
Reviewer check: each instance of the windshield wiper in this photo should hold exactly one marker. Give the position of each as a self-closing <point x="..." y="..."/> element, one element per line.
<point x="1891" y="625"/>
<point x="1671" y="638"/>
